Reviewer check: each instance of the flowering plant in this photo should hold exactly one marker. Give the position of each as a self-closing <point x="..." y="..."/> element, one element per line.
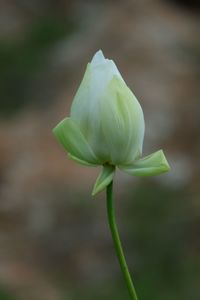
<point x="106" y="127"/>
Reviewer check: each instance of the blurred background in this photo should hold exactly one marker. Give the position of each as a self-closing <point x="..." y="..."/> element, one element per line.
<point x="54" y="239"/>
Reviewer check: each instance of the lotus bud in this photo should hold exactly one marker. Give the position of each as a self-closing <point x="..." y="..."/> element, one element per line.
<point x="106" y="126"/>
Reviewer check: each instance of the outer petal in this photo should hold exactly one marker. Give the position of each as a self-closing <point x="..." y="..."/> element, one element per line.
<point x="85" y="108"/>
<point x="103" y="180"/>
<point x="150" y="165"/>
<point x="69" y="135"/>
<point x="80" y="161"/>
<point x="122" y="122"/>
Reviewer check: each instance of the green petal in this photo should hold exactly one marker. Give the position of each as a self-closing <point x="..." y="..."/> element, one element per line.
<point x="80" y="161"/>
<point x="70" y="136"/>
<point x="122" y="122"/>
<point x="104" y="178"/>
<point x="150" y="165"/>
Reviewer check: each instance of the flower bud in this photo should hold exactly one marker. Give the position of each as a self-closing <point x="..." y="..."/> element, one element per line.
<point x="106" y="126"/>
<point x="109" y="115"/>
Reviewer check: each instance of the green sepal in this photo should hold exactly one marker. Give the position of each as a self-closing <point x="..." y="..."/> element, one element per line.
<point x="150" y="165"/>
<point x="104" y="179"/>
<point x="80" y="161"/>
<point x="71" y="138"/>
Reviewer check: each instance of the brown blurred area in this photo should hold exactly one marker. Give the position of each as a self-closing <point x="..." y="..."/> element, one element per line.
<point x="54" y="239"/>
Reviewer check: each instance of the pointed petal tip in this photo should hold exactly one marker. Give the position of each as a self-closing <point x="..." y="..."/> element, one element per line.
<point x="100" y="52"/>
<point x="95" y="191"/>
<point x="98" y="58"/>
<point x="164" y="162"/>
<point x="104" y="179"/>
<point x="56" y="128"/>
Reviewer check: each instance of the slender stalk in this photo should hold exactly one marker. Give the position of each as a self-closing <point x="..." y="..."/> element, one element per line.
<point x="117" y="242"/>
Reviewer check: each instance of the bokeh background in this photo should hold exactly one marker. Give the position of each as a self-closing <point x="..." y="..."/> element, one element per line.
<point x="54" y="238"/>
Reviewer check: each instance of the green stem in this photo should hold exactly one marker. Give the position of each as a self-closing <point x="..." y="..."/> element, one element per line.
<point x="117" y="242"/>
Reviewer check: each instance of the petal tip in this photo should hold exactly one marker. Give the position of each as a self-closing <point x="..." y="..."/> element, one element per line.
<point x="98" y="58"/>
<point x="164" y="162"/>
<point x="104" y="179"/>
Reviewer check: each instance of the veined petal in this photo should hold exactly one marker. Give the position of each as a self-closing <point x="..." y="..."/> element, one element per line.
<point x="85" y="110"/>
<point x="150" y="165"/>
<point x="122" y="122"/>
<point x="70" y="136"/>
<point x="104" y="179"/>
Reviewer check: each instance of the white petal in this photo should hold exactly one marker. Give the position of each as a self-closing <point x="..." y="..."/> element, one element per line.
<point x="85" y="109"/>
<point x="99" y="63"/>
<point x="87" y="105"/>
<point x="98" y="58"/>
<point x="122" y="123"/>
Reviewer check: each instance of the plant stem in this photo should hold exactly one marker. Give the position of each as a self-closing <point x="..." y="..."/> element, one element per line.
<point x="117" y="242"/>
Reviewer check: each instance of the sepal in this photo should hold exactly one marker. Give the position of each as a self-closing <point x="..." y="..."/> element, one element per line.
<point x="81" y="162"/>
<point x="71" y="138"/>
<point x="150" y="165"/>
<point x="104" y="179"/>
